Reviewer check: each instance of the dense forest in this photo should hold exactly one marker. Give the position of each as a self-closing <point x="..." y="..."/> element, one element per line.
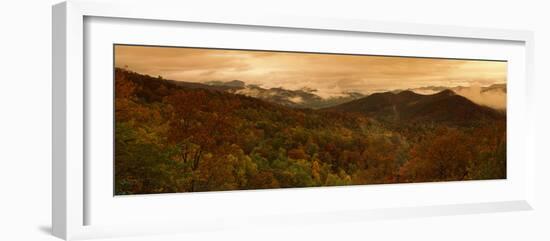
<point x="176" y="138"/>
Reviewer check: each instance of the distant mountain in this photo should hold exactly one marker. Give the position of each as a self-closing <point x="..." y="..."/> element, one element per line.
<point x="459" y="89"/>
<point x="194" y="85"/>
<point x="233" y="83"/>
<point x="494" y="87"/>
<point x="302" y="98"/>
<point x="407" y="106"/>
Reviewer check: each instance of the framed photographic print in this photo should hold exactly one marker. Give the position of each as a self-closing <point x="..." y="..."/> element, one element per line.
<point x="302" y="119"/>
<point x="178" y="121"/>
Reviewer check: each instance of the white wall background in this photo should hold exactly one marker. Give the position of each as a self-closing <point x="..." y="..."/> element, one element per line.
<point x="25" y="119"/>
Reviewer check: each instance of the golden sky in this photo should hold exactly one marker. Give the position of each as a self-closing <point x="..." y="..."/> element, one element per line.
<point x="330" y="74"/>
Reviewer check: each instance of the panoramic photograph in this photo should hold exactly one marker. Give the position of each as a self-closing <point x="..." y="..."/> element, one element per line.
<point x="202" y="119"/>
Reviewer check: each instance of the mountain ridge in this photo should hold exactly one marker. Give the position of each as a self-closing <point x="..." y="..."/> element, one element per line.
<point x="301" y="98"/>
<point x="307" y="98"/>
<point x="408" y="106"/>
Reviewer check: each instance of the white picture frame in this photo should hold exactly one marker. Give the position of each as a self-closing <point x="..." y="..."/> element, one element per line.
<point x="72" y="190"/>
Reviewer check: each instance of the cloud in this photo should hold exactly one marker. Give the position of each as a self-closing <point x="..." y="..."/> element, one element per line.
<point x="492" y="98"/>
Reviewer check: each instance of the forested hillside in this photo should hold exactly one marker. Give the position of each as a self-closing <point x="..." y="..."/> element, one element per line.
<point x="178" y="138"/>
